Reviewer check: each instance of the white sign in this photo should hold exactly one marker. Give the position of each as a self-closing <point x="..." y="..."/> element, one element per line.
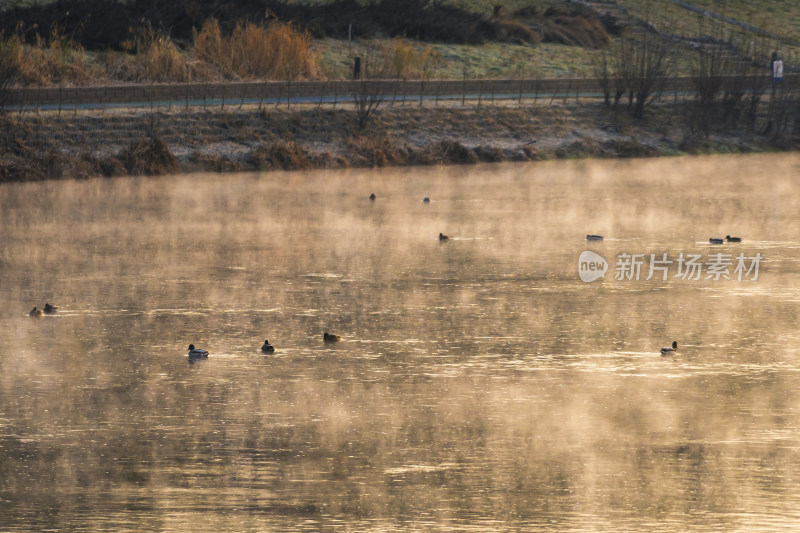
<point x="777" y="70"/>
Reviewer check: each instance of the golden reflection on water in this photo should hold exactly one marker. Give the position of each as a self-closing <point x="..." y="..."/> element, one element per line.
<point x="480" y="384"/>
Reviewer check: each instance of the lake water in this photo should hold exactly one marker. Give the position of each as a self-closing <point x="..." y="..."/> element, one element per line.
<point x="480" y="384"/>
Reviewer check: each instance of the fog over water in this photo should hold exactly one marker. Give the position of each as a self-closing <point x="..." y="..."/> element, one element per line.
<point x="479" y="385"/>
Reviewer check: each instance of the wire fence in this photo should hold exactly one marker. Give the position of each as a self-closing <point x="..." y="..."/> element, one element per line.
<point x="212" y="113"/>
<point x="288" y="93"/>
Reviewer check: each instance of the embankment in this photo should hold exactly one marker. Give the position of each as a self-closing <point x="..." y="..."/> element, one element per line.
<point x="81" y="144"/>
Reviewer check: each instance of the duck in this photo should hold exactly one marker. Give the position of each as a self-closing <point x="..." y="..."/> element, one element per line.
<point x="733" y="239"/>
<point x="443" y="237"/>
<point x="672" y="349"/>
<point x="35" y="313"/>
<point x="372" y="196"/>
<point x="714" y="240"/>
<point x="196" y="353"/>
<point x="327" y="337"/>
<point x="50" y="309"/>
<point x="426" y="200"/>
<point x="267" y="348"/>
<point x="594" y="237"/>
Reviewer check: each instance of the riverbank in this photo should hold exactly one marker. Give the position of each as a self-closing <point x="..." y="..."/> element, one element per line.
<point x="84" y="144"/>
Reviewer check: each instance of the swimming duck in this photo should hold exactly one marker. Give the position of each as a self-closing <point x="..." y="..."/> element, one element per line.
<point x="733" y="239"/>
<point x="426" y="200"/>
<point x="50" y="309"/>
<point x="331" y="338"/>
<point x="196" y="353"/>
<point x="372" y="196"/>
<point x="673" y="349"/>
<point x="443" y="237"/>
<point x="714" y="240"/>
<point x="35" y="313"/>
<point x="267" y="348"/>
<point x="594" y="237"/>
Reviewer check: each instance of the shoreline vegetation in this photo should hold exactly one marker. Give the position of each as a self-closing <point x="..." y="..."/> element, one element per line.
<point x="633" y="51"/>
<point x="120" y="143"/>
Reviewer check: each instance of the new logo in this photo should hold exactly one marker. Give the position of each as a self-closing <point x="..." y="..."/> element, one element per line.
<point x="591" y="266"/>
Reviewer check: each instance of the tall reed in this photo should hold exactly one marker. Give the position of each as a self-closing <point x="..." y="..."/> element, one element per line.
<point x="276" y="51"/>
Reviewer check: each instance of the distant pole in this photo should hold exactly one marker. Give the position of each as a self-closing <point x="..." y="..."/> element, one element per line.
<point x="349" y="36"/>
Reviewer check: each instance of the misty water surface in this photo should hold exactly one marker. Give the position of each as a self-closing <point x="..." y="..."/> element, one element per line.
<point x="480" y="384"/>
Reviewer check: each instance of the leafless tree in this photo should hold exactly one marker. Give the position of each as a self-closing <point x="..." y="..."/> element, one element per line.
<point x="371" y="87"/>
<point x="709" y="73"/>
<point x="782" y="106"/>
<point x="743" y="90"/>
<point x="651" y="67"/>
<point x="603" y="75"/>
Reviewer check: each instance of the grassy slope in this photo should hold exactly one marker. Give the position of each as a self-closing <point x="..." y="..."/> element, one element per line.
<point x="780" y="17"/>
<point x="504" y="60"/>
<point x="546" y="60"/>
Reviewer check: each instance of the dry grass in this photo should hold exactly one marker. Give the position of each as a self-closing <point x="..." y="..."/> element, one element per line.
<point x="276" y="51"/>
<point x="157" y="59"/>
<point x="148" y="156"/>
<point x="9" y="66"/>
<point x="404" y="61"/>
<point x="59" y="60"/>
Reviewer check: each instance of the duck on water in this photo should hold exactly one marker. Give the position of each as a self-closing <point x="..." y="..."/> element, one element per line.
<point x="197" y="353"/>
<point x="670" y="350"/>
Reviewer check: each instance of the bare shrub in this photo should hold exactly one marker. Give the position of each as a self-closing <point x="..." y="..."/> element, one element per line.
<point x="603" y="74"/>
<point x="370" y="89"/>
<point x="643" y="67"/>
